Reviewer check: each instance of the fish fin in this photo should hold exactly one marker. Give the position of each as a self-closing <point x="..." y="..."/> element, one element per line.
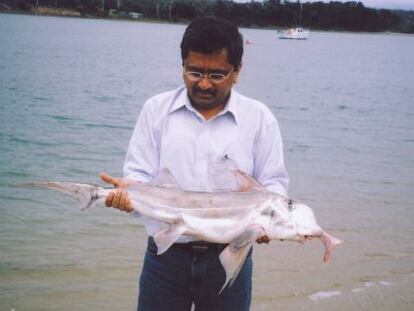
<point x="234" y="255"/>
<point x="247" y="182"/>
<point x="87" y="195"/>
<point x="166" y="179"/>
<point x="224" y="175"/>
<point x="221" y="175"/>
<point x="329" y="242"/>
<point x="232" y="262"/>
<point x="168" y="236"/>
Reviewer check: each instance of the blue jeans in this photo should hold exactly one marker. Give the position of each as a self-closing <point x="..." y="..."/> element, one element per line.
<point x="181" y="276"/>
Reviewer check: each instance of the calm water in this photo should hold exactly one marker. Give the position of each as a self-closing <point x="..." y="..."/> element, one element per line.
<point x="70" y="91"/>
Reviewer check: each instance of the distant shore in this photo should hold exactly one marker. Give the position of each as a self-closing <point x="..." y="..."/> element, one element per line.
<point x="63" y="12"/>
<point x="67" y="12"/>
<point x="49" y="11"/>
<point x="55" y="11"/>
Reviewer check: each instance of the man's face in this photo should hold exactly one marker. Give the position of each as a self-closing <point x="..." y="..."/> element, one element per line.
<point x="206" y="94"/>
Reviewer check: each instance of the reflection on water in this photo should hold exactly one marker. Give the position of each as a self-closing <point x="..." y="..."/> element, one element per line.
<point x="70" y="91"/>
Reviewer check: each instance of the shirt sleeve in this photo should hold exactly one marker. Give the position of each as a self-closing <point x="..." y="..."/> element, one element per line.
<point x="269" y="167"/>
<point x="141" y="161"/>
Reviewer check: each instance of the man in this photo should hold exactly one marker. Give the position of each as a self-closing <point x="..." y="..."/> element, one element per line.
<point x="188" y="130"/>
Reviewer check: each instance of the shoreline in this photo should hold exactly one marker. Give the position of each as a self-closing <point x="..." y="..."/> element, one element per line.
<point x="62" y="12"/>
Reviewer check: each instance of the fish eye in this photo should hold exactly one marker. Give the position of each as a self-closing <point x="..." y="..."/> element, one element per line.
<point x="272" y="213"/>
<point x="290" y="204"/>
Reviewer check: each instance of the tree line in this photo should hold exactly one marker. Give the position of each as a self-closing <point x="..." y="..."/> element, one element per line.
<point x="333" y="15"/>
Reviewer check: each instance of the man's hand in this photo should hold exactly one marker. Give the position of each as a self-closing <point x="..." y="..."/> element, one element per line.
<point x="263" y="239"/>
<point x="119" y="198"/>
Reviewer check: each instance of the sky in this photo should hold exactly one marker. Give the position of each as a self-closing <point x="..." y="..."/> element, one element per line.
<point x="379" y="4"/>
<point x="386" y="4"/>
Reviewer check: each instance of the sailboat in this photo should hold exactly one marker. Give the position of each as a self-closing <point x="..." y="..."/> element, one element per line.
<point x="298" y="32"/>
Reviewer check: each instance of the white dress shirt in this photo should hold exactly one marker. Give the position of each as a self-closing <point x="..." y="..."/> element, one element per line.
<point x="171" y="134"/>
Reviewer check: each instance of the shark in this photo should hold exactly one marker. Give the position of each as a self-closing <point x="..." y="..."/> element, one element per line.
<point x="235" y="216"/>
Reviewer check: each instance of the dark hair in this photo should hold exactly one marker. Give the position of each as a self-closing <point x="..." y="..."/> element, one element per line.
<point x="208" y="35"/>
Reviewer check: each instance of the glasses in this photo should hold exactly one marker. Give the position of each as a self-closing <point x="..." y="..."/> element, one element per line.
<point x="214" y="77"/>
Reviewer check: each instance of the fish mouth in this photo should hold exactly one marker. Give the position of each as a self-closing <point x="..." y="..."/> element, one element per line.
<point x="308" y="235"/>
<point x="303" y="238"/>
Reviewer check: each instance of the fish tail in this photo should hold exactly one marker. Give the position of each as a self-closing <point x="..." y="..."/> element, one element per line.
<point x="87" y="195"/>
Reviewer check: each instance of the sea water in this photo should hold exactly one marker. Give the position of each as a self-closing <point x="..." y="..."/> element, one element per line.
<point x="70" y="92"/>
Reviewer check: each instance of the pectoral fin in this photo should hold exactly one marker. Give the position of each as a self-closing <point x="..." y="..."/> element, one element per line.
<point x="234" y="255"/>
<point x="165" y="238"/>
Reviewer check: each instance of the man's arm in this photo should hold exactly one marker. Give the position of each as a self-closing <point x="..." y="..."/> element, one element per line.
<point x="142" y="158"/>
<point x="269" y="167"/>
<point x="140" y="163"/>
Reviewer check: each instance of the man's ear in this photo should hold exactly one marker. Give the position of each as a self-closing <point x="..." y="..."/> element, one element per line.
<point x="239" y="67"/>
<point x="236" y="74"/>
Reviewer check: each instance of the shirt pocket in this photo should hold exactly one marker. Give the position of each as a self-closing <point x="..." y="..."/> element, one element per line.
<point x="241" y="154"/>
<point x="243" y="162"/>
<point x="246" y="164"/>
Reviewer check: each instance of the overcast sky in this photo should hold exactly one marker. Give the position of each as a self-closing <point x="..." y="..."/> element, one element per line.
<point x="382" y="4"/>
<point x="385" y="4"/>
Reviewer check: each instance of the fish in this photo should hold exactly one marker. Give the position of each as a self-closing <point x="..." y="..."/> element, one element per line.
<point x="235" y="216"/>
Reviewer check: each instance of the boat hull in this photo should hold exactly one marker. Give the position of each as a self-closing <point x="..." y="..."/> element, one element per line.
<point x="294" y="33"/>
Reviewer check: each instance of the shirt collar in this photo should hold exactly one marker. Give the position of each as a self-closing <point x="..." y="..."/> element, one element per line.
<point x="180" y="100"/>
<point x="230" y="108"/>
